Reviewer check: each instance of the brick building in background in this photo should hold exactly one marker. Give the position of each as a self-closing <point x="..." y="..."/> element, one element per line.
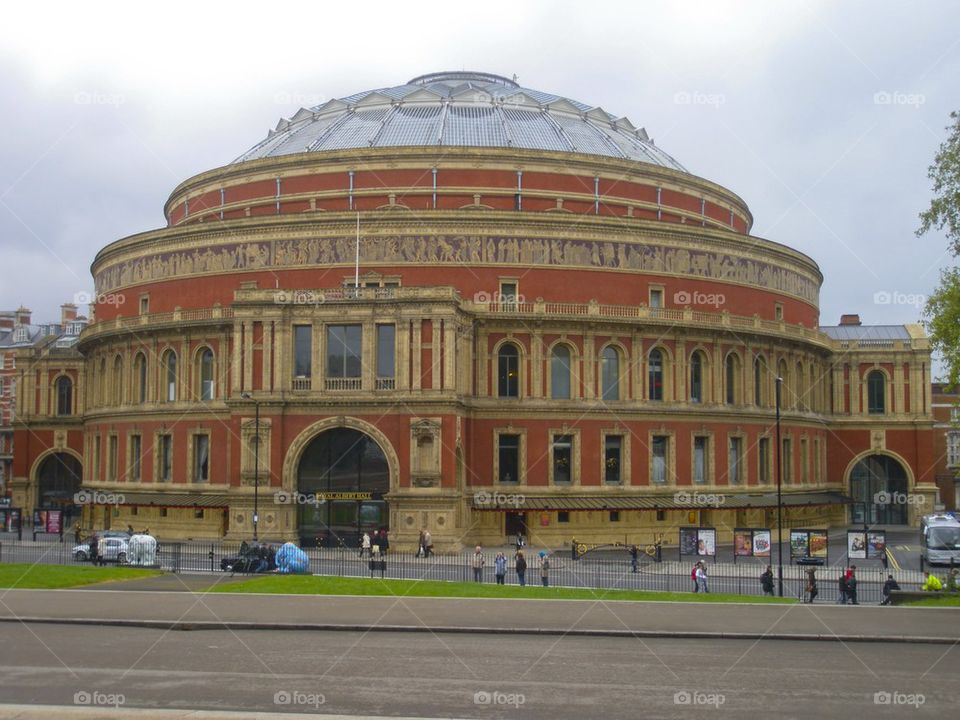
<point x="467" y="306"/>
<point x="946" y="418"/>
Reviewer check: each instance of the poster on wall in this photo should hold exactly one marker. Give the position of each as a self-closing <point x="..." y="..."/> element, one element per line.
<point x="12" y="521"/>
<point x="799" y="542"/>
<point x="707" y="542"/>
<point x="761" y="543"/>
<point x="877" y="545"/>
<point x="54" y="521"/>
<point x="688" y="541"/>
<point x="817" y="545"/>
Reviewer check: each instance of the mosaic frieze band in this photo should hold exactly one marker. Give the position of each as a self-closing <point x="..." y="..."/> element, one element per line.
<point x="459" y="249"/>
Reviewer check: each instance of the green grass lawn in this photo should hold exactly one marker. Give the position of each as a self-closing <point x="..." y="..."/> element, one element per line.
<point x="24" y="575"/>
<point x="937" y="600"/>
<point x="325" y="585"/>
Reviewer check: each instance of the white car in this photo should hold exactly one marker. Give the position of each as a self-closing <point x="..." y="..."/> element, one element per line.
<point x="114" y="550"/>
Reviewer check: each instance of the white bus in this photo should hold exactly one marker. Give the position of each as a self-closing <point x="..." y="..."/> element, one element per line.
<point x="940" y="540"/>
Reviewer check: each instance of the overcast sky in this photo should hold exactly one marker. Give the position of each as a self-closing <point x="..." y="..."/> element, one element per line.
<point x="823" y="116"/>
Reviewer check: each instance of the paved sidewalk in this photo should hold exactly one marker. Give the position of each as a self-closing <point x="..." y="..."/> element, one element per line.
<point x="198" y="610"/>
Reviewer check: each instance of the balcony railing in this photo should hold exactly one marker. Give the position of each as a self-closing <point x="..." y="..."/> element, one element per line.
<point x="386" y="383"/>
<point x="301" y="383"/>
<point x="349" y="383"/>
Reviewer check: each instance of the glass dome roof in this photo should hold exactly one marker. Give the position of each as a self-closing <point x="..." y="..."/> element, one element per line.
<point x="460" y="109"/>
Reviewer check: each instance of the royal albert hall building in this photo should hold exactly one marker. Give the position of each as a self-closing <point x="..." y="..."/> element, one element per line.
<point x="463" y="305"/>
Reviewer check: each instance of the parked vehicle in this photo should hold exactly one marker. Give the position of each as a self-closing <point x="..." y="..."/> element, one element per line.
<point x="251" y="559"/>
<point x="115" y="550"/>
<point x="939" y="540"/>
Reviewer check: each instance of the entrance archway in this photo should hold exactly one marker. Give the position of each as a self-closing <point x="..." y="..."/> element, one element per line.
<point x="58" y="481"/>
<point x="878" y="487"/>
<point x="347" y="473"/>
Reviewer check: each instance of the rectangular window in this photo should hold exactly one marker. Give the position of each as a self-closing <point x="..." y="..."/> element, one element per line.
<point x="508" y="450"/>
<point x="613" y="459"/>
<point x="953" y="449"/>
<point x="700" y="460"/>
<point x="562" y="459"/>
<point x="763" y="448"/>
<point x="734" y="462"/>
<point x="563" y="516"/>
<point x="658" y="453"/>
<point x="386" y="350"/>
<point x="614" y="516"/>
<point x="302" y="351"/>
<point x="165" y="451"/>
<point x="201" y="458"/>
<point x="656" y="298"/>
<point x="786" y="461"/>
<point x="144" y="304"/>
<point x="344" y="357"/>
<point x="136" y="450"/>
<point x="112" y="458"/>
<point x="508" y="294"/>
<point x="817" y="475"/>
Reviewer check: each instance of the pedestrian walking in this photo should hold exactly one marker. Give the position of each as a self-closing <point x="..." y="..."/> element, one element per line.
<point x="766" y="581"/>
<point x="427" y="543"/>
<point x="365" y="545"/>
<point x="693" y="576"/>
<point x="852" y="585"/>
<point x="702" y="577"/>
<point x="500" y="568"/>
<point x="842" y="588"/>
<point x="889" y="585"/>
<point x="478" y="562"/>
<point x="812" y="590"/>
<point x="521" y="568"/>
<point x="544" y="568"/>
<point x="634" y="557"/>
<point x="94" y="548"/>
<point x="421" y="552"/>
<point x="76" y="534"/>
<point x="384" y="542"/>
<point x="101" y="551"/>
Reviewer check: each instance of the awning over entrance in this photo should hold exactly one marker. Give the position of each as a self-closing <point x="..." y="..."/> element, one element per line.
<point x="162" y="499"/>
<point x="682" y="500"/>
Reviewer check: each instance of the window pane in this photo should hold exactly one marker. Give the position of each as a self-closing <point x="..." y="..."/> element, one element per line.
<point x="696" y="378"/>
<point x="656" y="375"/>
<point x="612" y="458"/>
<point x="658" y="452"/>
<point x="757" y="381"/>
<point x="386" y="338"/>
<point x="560" y="373"/>
<point x="343" y="351"/>
<point x="166" y="457"/>
<point x="206" y="375"/>
<point x="142" y="378"/>
<point x="508" y="371"/>
<point x="171" y="373"/>
<point x="509" y="458"/>
<point x="731" y="379"/>
<point x="764" y="460"/>
<point x="700" y="460"/>
<point x="201" y="458"/>
<point x="562" y="458"/>
<point x="302" y="350"/>
<point x="610" y="374"/>
<point x="733" y="468"/>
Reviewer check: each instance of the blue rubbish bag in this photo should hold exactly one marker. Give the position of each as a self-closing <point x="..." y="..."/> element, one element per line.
<point x="291" y="560"/>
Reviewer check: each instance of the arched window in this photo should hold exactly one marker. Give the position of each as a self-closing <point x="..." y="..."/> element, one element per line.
<point x="508" y="371"/>
<point x="170" y="376"/>
<point x="205" y="362"/>
<point x="758" y="368"/>
<point x="117" y="380"/>
<point x="102" y="377"/>
<point x="814" y="402"/>
<point x="655" y="375"/>
<point x="610" y="373"/>
<point x="798" y="388"/>
<point x="140" y="377"/>
<point x="876" y="392"/>
<point x="696" y="377"/>
<point x="732" y="368"/>
<point x="64" y="395"/>
<point x="560" y="372"/>
<point x="784" y="383"/>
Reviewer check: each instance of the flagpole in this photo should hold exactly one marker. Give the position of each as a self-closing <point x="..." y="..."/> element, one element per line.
<point x="356" y="269"/>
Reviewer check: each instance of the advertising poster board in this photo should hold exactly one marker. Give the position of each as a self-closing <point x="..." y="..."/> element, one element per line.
<point x="743" y="543"/>
<point x="799" y="543"/>
<point x="877" y="545"/>
<point x="761" y="543"/>
<point x="688" y="541"/>
<point x="54" y="521"/>
<point x="707" y="542"/>
<point x="817" y="544"/>
<point x="856" y="545"/>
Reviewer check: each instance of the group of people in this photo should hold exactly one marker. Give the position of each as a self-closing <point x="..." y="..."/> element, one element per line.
<point x="425" y="544"/>
<point x="376" y="544"/>
<point x="699" y="577"/>
<point x="479" y="562"/>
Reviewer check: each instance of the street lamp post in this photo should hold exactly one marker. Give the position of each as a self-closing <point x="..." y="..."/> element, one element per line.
<point x="256" y="462"/>
<point x="779" y="497"/>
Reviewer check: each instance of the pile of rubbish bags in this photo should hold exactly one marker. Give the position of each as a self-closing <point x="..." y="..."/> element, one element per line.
<point x="291" y="560"/>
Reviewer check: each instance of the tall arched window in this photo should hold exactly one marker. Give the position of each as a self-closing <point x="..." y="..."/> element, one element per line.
<point x="758" y="367"/>
<point x="560" y="372"/>
<point x="508" y="371"/>
<point x="876" y="392"/>
<point x="655" y="375"/>
<point x="140" y="377"/>
<point x="102" y="377"/>
<point x="610" y="373"/>
<point x="814" y="402"/>
<point x="117" y="380"/>
<point x="784" y="383"/>
<point x="732" y="368"/>
<point x="798" y="388"/>
<point x="64" y="395"/>
<point x="696" y="377"/>
<point x="170" y="376"/>
<point x="205" y="362"/>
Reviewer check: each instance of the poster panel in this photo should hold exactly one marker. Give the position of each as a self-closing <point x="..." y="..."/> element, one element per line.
<point x="876" y="545"/>
<point x="799" y="540"/>
<point x="818" y="544"/>
<point x="54" y="521"/>
<point x="688" y="541"/>
<point x="707" y="542"/>
<point x="743" y="543"/>
<point x="761" y="543"/>
<point x="856" y="545"/>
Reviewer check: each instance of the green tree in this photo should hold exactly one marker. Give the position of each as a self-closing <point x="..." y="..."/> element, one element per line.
<point x="942" y="312"/>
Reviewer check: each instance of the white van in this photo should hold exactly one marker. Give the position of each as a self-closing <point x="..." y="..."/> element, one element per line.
<point x="939" y="540"/>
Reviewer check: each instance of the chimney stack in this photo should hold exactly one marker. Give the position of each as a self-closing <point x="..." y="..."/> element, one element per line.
<point x="23" y="315"/>
<point x="850" y="319"/>
<point x="68" y="312"/>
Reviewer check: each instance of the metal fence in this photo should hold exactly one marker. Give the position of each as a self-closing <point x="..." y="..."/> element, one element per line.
<point x="600" y="571"/>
